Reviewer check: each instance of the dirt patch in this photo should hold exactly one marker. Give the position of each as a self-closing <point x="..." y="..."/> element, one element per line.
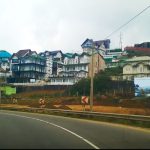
<point x="105" y="109"/>
<point x="63" y="107"/>
<point x="111" y="109"/>
<point x="14" y="106"/>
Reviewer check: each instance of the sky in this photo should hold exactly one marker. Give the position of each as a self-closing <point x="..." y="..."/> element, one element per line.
<point x="64" y="25"/>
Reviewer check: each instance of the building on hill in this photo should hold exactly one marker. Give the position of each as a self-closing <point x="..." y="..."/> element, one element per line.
<point x="77" y="66"/>
<point x="54" y="59"/>
<point x="101" y="46"/>
<point x="142" y="49"/>
<point x="27" y="66"/>
<point x="136" y="67"/>
<point x="143" y="45"/>
<point x="114" y="57"/>
<point x="4" y="60"/>
<point x="117" y="52"/>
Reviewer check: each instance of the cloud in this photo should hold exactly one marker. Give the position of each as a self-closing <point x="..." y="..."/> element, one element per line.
<point x="64" y="24"/>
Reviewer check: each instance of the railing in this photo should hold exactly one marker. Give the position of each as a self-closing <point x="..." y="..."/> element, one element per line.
<point x="139" y="119"/>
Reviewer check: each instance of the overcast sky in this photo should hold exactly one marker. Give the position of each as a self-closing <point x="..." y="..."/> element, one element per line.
<point x="65" y="24"/>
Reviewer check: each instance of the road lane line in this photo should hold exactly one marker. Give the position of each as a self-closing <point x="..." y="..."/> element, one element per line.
<point x="80" y="137"/>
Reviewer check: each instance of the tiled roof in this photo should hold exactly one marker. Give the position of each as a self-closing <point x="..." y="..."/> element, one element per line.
<point x="142" y="58"/>
<point x="99" y="43"/>
<point x="55" y="52"/>
<point x="106" y="43"/>
<point x="4" y="54"/>
<point x="22" y="53"/>
<point x="70" y="55"/>
<point x="147" y="50"/>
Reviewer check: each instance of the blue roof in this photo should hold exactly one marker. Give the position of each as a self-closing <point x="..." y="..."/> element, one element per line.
<point x="4" y="54"/>
<point x="55" y="52"/>
<point x="87" y="43"/>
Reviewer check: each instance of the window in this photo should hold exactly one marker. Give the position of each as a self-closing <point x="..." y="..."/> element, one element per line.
<point x="96" y="63"/>
<point x="141" y="69"/>
<point x="128" y="69"/>
<point x="15" y="61"/>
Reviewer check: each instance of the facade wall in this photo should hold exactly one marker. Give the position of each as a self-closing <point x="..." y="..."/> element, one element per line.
<point x="31" y="66"/>
<point x="136" y="68"/>
<point x="98" y="64"/>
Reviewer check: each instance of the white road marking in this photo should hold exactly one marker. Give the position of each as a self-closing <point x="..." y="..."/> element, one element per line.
<point x="85" y="140"/>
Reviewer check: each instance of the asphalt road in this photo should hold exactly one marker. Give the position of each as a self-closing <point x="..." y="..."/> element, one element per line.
<point x="20" y="130"/>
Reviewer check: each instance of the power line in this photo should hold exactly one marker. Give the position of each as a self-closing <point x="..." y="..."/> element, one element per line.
<point x="127" y="22"/>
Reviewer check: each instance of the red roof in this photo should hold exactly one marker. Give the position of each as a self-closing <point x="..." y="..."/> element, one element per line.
<point x="147" y="50"/>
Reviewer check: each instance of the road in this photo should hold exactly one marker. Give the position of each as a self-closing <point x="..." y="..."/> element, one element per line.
<point x="21" y="130"/>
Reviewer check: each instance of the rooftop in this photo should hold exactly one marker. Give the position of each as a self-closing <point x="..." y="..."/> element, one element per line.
<point x="4" y="54"/>
<point x="141" y="58"/>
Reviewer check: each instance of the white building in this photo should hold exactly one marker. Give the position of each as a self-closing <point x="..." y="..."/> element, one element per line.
<point x="136" y="67"/>
<point x="53" y="59"/>
<point x="77" y="66"/>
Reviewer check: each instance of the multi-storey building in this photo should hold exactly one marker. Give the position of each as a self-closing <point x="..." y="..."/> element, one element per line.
<point x="136" y="67"/>
<point x="54" y="59"/>
<point x="142" y="49"/>
<point x="101" y="46"/>
<point x="114" y="57"/>
<point x="78" y="66"/>
<point x="27" y="66"/>
<point x="74" y="67"/>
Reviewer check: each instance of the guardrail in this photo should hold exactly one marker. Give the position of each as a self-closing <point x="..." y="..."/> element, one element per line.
<point x="138" y="120"/>
<point x="42" y="83"/>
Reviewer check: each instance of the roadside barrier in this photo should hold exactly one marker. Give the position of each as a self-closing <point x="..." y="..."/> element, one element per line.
<point x="138" y="120"/>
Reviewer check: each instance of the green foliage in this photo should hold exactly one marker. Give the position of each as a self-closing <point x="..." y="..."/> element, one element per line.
<point x="102" y="83"/>
<point x="113" y="71"/>
<point x="80" y="88"/>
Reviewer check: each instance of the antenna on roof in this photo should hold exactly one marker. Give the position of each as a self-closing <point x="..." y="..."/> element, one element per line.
<point x="120" y="41"/>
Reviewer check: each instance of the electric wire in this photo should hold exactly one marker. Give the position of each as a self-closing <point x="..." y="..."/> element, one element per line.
<point x="127" y="22"/>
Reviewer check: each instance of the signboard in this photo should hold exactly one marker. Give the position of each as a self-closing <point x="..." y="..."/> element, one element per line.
<point x="84" y="100"/>
<point x="142" y="86"/>
<point x="8" y="90"/>
<point x="32" y="80"/>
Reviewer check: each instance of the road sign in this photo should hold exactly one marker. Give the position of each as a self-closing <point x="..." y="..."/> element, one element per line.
<point x="84" y="100"/>
<point x="41" y="101"/>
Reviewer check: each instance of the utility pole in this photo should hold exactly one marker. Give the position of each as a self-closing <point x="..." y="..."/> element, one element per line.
<point x="91" y="90"/>
<point x="91" y="45"/>
<point x="0" y="96"/>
